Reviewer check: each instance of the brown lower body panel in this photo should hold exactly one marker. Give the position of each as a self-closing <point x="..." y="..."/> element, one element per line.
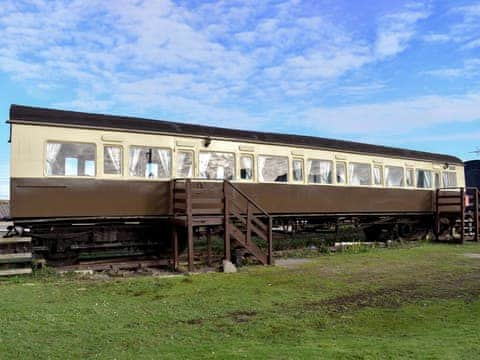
<point x="54" y="197"/>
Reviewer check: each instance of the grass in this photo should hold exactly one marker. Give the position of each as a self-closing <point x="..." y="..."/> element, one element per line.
<point x="419" y="302"/>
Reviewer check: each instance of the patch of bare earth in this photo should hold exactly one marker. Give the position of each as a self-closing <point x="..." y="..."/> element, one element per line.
<point x="465" y="286"/>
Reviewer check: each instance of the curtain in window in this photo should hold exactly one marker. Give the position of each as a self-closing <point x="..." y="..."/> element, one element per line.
<point x="424" y="179"/>
<point x="185" y="164"/>
<point x="360" y="174"/>
<point x="320" y="171"/>
<point x="52" y="152"/>
<point x="204" y="160"/>
<point x="393" y="176"/>
<point x="246" y="165"/>
<point x="261" y="166"/>
<point x="341" y="178"/>
<point x="165" y="162"/>
<point x="377" y="175"/>
<point x="115" y="154"/>
<point x="134" y="159"/>
<point x="449" y="179"/>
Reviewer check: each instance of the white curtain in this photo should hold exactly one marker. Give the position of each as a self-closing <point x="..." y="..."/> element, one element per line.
<point x="325" y="172"/>
<point x="165" y="161"/>
<point x="184" y="164"/>
<point x="341" y="178"/>
<point x="204" y="160"/>
<point x="377" y="175"/>
<point x="393" y="176"/>
<point x="115" y="154"/>
<point x="449" y="179"/>
<point x="297" y="170"/>
<point x="246" y="167"/>
<point x="52" y="152"/>
<point x="261" y="167"/>
<point x="134" y="159"/>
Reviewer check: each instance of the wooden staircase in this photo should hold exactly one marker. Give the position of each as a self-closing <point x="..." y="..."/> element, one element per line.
<point x="461" y="206"/>
<point x="203" y="203"/>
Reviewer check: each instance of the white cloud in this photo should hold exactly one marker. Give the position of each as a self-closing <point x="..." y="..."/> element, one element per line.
<point x="395" y="117"/>
<point x="396" y="30"/>
<point x="470" y="68"/>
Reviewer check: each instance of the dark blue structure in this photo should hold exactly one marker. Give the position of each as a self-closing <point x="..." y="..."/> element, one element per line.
<point x="472" y="173"/>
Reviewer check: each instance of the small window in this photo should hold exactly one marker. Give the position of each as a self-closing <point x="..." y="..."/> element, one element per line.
<point x="246" y="167"/>
<point x="409" y="179"/>
<point x="185" y="164"/>
<point x="216" y="165"/>
<point x="150" y="162"/>
<point x="112" y="160"/>
<point x="319" y="171"/>
<point x="70" y="159"/>
<point x="424" y="179"/>
<point x="394" y="176"/>
<point x="377" y="175"/>
<point x="341" y="173"/>
<point x="437" y="180"/>
<point x="449" y="179"/>
<point x="360" y="174"/>
<point x="297" y="170"/>
<point x="272" y="169"/>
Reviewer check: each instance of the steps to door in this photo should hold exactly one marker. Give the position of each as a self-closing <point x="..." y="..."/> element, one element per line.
<point x="15" y="252"/>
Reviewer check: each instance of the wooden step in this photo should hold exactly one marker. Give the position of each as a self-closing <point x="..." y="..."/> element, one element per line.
<point x="15" y="240"/>
<point x="15" y="257"/>
<point x="251" y="247"/>
<point x="21" y="271"/>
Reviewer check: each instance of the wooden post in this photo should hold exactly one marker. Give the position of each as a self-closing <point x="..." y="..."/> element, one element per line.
<point x="172" y="197"/>
<point x="226" y="222"/>
<point x="188" y="186"/>
<point x="462" y="214"/>
<point x="209" y="247"/>
<point x="174" y="247"/>
<point x="248" y="238"/>
<point x="270" y="241"/>
<point x="437" y="214"/>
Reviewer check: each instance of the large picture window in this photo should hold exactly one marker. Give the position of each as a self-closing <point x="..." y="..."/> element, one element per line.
<point x="112" y="160"/>
<point x="394" y="176"/>
<point x="319" y="171"/>
<point x="360" y="174"/>
<point x="70" y="159"/>
<point x="150" y="162"/>
<point x="216" y="165"/>
<point x="424" y="179"/>
<point x="449" y="179"/>
<point x="272" y="169"/>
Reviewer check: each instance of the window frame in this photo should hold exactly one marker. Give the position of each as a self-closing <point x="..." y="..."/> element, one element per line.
<point x="432" y="179"/>
<point x="332" y="174"/>
<point x="345" y="167"/>
<point x="302" y="161"/>
<point x="402" y="186"/>
<point x="149" y="147"/>
<point x="273" y="182"/>
<point x="69" y="142"/>
<point x="382" y="175"/>
<point x="239" y="177"/>
<point x="194" y="162"/>
<point x="122" y="157"/>
<point x="221" y="152"/>
<point x="360" y="163"/>
<point x="443" y="179"/>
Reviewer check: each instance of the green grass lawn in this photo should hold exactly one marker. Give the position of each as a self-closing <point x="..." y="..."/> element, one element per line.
<point x="421" y="302"/>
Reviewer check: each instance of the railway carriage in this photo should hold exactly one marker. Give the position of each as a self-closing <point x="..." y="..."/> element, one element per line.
<point x="84" y="181"/>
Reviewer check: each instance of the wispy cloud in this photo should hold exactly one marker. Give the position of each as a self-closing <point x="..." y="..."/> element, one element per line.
<point x="470" y="68"/>
<point x="211" y="61"/>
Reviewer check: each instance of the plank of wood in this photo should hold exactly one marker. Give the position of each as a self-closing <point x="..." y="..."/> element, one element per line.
<point x="15" y="240"/>
<point x="16" y="257"/>
<point x="10" y="272"/>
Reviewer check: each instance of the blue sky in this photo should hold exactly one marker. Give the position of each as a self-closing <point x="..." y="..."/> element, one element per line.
<point x="391" y="72"/>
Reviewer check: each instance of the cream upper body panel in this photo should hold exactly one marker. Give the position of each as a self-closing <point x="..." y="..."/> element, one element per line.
<point x="28" y="152"/>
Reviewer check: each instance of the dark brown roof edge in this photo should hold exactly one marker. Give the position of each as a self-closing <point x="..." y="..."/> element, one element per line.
<point x="27" y="114"/>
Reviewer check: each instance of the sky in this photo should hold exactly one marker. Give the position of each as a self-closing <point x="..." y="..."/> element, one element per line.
<point x="397" y="73"/>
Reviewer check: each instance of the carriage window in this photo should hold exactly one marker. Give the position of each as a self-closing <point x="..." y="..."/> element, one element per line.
<point x="70" y="159"/>
<point x="424" y="179"/>
<point x="360" y="174"/>
<point x="150" y="162"/>
<point x="246" y="167"/>
<point x="377" y="175"/>
<point x="297" y="169"/>
<point x="319" y="171"/>
<point x="216" y="165"/>
<point x="112" y="160"/>
<point x="185" y="164"/>
<point x="437" y="180"/>
<point x="393" y="176"/>
<point x="449" y="179"/>
<point x="409" y="178"/>
<point x="341" y="173"/>
<point x="272" y="168"/>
